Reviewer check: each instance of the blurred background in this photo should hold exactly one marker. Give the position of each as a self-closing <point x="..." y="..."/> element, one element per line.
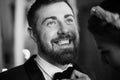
<point x="16" y="46"/>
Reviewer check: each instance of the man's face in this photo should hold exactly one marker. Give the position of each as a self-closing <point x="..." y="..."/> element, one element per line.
<point x="57" y="32"/>
<point x="109" y="50"/>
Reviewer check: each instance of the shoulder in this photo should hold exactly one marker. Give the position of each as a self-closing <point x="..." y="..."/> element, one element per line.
<point x="17" y="73"/>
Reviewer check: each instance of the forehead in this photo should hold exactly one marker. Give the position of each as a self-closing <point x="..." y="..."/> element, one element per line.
<point x="54" y="9"/>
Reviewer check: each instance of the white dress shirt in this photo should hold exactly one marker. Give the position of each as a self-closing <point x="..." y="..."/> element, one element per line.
<point x="47" y="68"/>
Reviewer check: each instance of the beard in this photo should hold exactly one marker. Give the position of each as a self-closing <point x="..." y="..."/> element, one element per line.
<point x="60" y="56"/>
<point x="63" y="57"/>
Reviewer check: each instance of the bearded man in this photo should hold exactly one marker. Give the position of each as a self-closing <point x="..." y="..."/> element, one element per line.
<point x="52" y="25"/>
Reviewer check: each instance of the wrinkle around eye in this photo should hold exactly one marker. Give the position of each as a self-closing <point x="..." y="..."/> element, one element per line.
<point x="70" y="21"/>
<point x="51" y="23"/>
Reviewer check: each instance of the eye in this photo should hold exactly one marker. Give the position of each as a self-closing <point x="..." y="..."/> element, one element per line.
<point x="70" y="21"/>
<point x="51" y="23"/>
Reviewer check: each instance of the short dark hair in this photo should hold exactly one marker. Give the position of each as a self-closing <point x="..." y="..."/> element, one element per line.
<point x="38" y="3"/>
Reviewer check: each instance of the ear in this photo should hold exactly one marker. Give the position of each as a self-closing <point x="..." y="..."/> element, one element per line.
<point x="32" y="34"/>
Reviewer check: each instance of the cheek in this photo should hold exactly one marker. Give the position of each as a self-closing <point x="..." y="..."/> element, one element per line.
<point x="76" y="31"/>
<point x="74" y="27"/>
<point x="48" y="35"/>
<point x="45" y="37"/>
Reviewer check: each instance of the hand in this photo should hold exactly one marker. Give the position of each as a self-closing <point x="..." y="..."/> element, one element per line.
<point x="109" y="17"/>
<point x="105" y="24"/>
<point x="76" y="75"/>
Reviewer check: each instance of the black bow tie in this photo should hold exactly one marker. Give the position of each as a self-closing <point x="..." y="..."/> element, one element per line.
<point x="63" y="75"/>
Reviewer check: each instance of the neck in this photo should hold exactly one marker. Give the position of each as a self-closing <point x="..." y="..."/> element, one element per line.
<point x="63" y="67"/>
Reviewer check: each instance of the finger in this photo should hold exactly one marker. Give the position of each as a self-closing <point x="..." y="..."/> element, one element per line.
<point x="99" y="12"/>
<point x="116" y="20"/>
<point x="78" y="75"/>
<point x="102" y="14"/>
<point x="109" y="17"/>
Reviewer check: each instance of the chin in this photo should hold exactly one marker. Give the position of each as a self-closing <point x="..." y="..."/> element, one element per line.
<point x="65" y="56"/>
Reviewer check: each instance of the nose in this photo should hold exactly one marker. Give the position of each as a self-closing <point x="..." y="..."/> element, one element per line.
<point x="63" y="29"/>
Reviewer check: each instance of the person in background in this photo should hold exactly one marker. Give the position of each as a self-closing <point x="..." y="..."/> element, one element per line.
<point x="52" y="25"/>
<point x="104" y="24"/>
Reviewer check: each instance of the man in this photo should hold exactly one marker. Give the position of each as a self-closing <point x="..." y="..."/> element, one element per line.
<point x="104" y="24"/>
<point x="53" y="27"/>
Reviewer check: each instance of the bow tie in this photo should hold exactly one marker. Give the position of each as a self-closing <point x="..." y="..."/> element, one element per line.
<point x="63" y="75"/>
<point x="72" y="74"/>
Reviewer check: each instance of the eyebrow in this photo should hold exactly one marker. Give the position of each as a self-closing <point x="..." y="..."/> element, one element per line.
<point x="54" y="17"/>
<point x="69" y="15"/>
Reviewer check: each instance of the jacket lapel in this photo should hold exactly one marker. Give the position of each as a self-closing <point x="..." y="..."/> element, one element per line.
<point x="32" y="70"/>
<point x="34" y="73"/>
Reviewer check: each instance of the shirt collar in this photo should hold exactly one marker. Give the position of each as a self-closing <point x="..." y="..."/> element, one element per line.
<point x="48" y="67"/>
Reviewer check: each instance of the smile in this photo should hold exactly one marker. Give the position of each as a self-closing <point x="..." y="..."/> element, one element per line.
<point x="63" y="43"/>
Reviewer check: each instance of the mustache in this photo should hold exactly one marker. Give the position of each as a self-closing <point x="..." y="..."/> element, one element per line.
<point x="71" y="37"/>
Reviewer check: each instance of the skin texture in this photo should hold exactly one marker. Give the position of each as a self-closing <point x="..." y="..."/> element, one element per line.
<point x="55" y="27"/>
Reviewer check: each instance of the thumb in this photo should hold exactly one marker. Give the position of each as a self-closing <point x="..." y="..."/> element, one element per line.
<point x="76" y="75"/>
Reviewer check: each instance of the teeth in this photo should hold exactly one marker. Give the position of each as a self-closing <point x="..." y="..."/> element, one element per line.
<point x="63" y="42"/>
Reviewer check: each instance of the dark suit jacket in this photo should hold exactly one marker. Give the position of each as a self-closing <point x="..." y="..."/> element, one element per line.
<point x="29" y="71"/>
